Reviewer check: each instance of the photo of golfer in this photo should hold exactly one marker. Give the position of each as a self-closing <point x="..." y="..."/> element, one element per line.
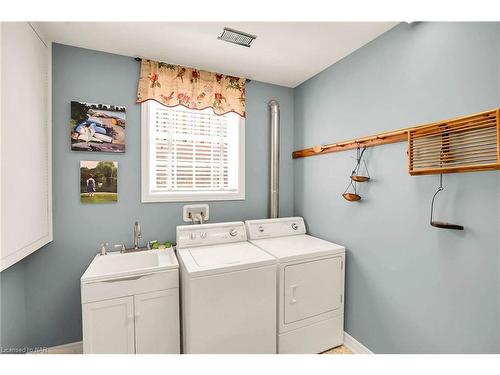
<point x="98" y="181"/>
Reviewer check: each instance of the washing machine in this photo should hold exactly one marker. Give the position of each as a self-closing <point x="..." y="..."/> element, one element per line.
<point x="310" y="282"/>
<point x="228" y="291"/>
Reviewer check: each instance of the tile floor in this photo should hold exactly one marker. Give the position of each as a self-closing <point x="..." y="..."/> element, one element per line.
<point x="338" y="350"/>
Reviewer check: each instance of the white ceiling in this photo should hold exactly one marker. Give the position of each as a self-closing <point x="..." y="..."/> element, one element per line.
<point x="284" y="53"/>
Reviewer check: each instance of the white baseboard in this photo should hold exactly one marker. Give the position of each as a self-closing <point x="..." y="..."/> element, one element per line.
<point x="71" y="348"/>
<point x="354" y="345"/>
<point x="77" y="347"/>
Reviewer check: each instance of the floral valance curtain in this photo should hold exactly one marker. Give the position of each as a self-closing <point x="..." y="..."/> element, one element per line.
<point x="173" y="85"/>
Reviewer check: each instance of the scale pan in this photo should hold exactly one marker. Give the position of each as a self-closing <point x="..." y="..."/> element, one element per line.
<point x="359" y="178"/>
<point x="351" y="197"/>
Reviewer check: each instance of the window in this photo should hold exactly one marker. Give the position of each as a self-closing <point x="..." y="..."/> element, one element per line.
<point x="191" y="155"/>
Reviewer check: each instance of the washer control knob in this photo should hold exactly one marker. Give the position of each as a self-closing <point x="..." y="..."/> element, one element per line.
<point x="192" y="235"/>
<point x="203" y="235"/>
<point x="261" y="228"/>
<point x="233" y="232"/>
<point x="295" y="226"/>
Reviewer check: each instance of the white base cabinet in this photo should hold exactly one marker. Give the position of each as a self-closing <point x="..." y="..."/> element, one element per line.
<point x="108" y="326"/>
<point x="146" y="322"/>
<point x="157" y="322"/>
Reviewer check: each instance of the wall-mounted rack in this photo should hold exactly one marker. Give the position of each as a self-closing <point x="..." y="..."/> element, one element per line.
<point x="468" y="143"/>
<point x="459" y="145"/>
<point x="368" y="141"/>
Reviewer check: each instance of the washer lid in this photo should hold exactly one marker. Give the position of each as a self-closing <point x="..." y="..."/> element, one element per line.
<point x="212" y="259"/>
<point x="298" y="247"/>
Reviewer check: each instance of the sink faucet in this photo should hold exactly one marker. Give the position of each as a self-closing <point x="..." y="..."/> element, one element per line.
<point x="137" y="235"/>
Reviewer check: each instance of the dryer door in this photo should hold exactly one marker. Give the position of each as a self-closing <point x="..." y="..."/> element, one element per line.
<point x="312" y="288"/>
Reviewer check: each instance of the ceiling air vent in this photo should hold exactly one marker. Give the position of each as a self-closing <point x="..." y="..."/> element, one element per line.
<point x="237" y="37"/>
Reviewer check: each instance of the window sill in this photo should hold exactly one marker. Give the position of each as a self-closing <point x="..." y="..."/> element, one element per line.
<point x="205" y="197"/>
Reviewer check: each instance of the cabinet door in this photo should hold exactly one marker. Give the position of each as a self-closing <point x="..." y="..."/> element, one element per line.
<point x="312" y="288"/>
<point x="25" y="152"/>
<point x="157" y="322"/>
<point x="108" y="326"/>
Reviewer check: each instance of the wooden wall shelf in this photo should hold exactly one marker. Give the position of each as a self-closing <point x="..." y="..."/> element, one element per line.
<point x="482" y="129"/>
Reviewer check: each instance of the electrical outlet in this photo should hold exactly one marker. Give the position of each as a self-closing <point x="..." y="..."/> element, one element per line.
<point x="193" y="211"/>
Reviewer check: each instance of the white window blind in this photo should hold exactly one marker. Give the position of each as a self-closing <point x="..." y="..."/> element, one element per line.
<point x="192" y="154"/>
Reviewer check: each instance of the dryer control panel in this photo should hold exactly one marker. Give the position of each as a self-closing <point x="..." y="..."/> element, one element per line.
<point x="210" y="234"/>
<point x="268" y="228"/>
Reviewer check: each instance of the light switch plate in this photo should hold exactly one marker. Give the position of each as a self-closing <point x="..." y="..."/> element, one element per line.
<point x="194" y="209"/>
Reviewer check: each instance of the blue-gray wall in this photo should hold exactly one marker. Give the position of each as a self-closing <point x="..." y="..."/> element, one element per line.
<point x="411" y="288"/>
<point x="41" y="295"/>
<point x="12" y="307"/>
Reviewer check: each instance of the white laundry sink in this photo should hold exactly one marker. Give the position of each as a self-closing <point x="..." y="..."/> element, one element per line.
<point x="117" y="265"/>
<point x="130" y="303"/>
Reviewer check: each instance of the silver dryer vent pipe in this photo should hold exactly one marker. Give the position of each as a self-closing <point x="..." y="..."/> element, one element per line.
<point x="275" y="158"/>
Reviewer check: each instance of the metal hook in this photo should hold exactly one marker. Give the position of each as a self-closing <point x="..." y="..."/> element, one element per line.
<point x="440" y="188"/>
<point x="440" y="224"/>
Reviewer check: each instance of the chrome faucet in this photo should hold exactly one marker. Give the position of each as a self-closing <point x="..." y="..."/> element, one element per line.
<point x="104" y="248"/>
<point x="137" y="235"/>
